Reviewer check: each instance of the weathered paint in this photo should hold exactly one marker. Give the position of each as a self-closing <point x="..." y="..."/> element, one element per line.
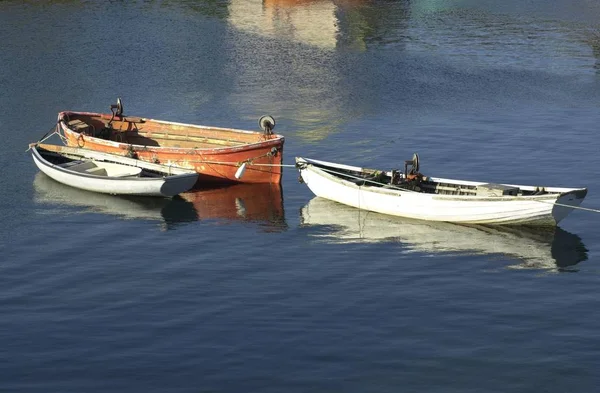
<point x="213" y="164"/>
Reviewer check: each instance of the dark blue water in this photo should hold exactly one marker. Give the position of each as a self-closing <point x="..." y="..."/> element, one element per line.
<point x="268" y="289"/>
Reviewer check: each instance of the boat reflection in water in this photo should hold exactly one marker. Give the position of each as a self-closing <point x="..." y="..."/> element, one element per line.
<point x="536" y="248"/>
<point x="171" y="211"/>
<point x="258" y="203"/>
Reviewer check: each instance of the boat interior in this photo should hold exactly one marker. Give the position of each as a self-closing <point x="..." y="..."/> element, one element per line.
<point x="79" y="164"/>
<point x="140" y="131"/>
<point x="413" y="180"/>
<point x="101" y="168"/>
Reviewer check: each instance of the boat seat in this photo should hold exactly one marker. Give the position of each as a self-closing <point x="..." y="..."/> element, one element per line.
<point x="79" y="166"/>
<point x="117" y="170"/>
<point x="71" y="164"/>
<point x="132" y="172"/>
<point x="97" y="171"/>
<point x="85" y="167"/>
<point x="79" y="126"/>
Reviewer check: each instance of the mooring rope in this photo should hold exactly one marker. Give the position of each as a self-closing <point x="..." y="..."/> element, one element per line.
<point x="46" y="136"/>
<point x="572" y="207"/>
<point x="281" y="165"/>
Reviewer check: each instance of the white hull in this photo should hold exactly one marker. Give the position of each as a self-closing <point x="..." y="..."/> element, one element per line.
<point x="172" y="182"/>
<point x="530" y="209"/>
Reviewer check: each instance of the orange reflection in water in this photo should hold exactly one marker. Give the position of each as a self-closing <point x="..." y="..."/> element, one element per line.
<point x="249" y="202"/>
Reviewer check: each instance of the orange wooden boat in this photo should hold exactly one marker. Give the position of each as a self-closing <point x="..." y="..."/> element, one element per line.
<point x="219" y="155"/>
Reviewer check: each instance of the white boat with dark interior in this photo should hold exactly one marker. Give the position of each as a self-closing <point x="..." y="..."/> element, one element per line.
<point x="109" y="173"/>
<point x="410" y="194"/>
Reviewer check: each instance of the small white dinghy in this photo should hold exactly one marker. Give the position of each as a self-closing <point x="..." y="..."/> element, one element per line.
<point x="110" y="174"/>
<point x="412" y="195"/>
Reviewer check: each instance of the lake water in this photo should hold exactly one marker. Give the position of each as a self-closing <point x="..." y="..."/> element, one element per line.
<point x="267" y="289"/>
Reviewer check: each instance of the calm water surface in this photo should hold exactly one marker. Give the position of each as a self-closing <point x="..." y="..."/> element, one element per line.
<point x="267" y="288"/>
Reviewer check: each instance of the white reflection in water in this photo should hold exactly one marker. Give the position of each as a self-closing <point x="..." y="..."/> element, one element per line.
<point x="309" y="22"/>
<point x="49" y="191"/>
<point x="536" y="248"/>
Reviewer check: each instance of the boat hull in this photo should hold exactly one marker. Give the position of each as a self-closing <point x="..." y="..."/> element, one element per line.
<point x="544" y="210"/>
<point x="136" y="137"/>
<point x="165" y="186"/>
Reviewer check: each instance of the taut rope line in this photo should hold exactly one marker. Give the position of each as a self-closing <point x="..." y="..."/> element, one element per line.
<point x="46" y="136"/>
<point x="572" y="207"/>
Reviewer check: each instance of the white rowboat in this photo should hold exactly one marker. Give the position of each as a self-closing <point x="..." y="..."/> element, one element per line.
<point x="412" y="195"/>
<point x="110" y="174"/>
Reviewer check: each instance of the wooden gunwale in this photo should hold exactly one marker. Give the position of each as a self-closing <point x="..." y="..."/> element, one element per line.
<point x="170" y="136"/>
<point x="217" y="162"/>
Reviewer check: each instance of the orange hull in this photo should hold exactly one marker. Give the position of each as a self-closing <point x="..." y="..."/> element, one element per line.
<point x="215" y="153"/>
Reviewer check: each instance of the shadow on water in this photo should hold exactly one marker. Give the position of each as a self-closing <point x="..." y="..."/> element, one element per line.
<point x="593" y="39"/>
<point x="261" y="204"/>
<point x="536" y="247"/>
